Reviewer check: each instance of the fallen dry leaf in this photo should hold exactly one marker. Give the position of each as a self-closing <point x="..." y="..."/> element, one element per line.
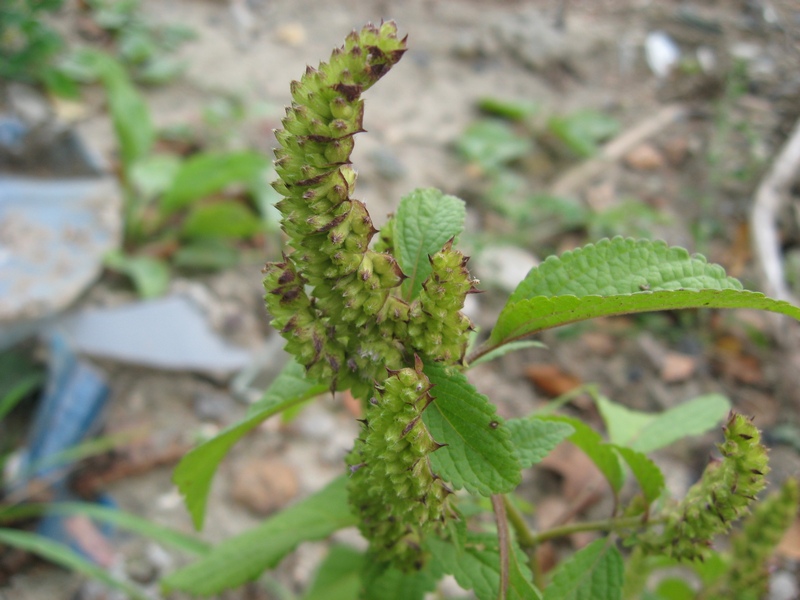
<point x="677" y="367"/>
<point x="551" y="379"/>
<point x="790" y="544"/>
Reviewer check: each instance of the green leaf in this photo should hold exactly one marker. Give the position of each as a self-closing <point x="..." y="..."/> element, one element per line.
<point x="129" y="113"/>
<point x="67" y="558"/>
<point x="150" y="276"/>
<point x="514" y="110"/>
<point x="622" y="423"/>
<point x="535" y="438"/>
<point x="426" y="219"/>
<point x="208" y="173"/>
<point x="492" y="144"/>
<point x="505" y="349"/>
<point x="476" y="567"/>
<point x="479" y="454"/>
<point x="608" y="278"/>
<point x="194" y="473"/>
<point x="592" y="444"/>
<point x="388" y="583"/>
<point x="646" y="432"/>
<point x="207" y="253"/>
<point x="221" y="220"/>
<point x="138" y="525"/>
<point x="154" y="174"/>
<point x="675" y="589"/>
<point x="244" y="557"/>
<point x="593" y="573"/>
<point x="582" y="130"/>
<point x="339" y="576"/>
<point x="649" y="476"/>
<point x="621" y="266"/>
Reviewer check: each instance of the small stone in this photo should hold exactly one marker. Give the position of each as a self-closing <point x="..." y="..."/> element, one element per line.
<point x="264" y="486"/>
<point x="677" y="367"/>
<point x="676" y="149"/>
<point x="645" y="157"/>
<point x="292" y="34"/>
<point x="783" y="586"/>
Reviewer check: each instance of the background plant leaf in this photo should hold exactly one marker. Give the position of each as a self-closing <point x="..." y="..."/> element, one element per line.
<point x="339" y="575"/>
<point x="535" y="438"/>
<point x="479" y="454"/>
<point x="221" y="220"/>
<point x="582" y="130"/>
<point x="67" y="558"/>
<point x="150" y="276"/>
<point x="123" y="520"/>
<point x="210" y="172"/>
<point x="592" y="444"/>
<point x="506" y="348"/>
<point x="425" y="220"/>
<point x="492" y="143"/>
<point x="592" y="573"/>
<point x="243" y="558"/>
<point x="649" y="476"/>
<point x="194" y="473"/>
<point x="646" y="432"/>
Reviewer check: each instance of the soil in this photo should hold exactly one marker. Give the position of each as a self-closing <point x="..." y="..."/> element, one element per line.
<point x="700" y="169"/>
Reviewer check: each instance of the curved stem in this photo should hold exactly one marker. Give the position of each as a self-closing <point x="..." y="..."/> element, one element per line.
<point x="605" y="525"/>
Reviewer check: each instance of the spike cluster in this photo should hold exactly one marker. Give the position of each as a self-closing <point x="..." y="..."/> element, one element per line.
<point x="334" y="299"/>
<point x="723" y="495"/>
<point x="747" y="577"/>
<point x="392" y="486"/>
<point x="437" y="328"/>
<point x="338" y="302"/>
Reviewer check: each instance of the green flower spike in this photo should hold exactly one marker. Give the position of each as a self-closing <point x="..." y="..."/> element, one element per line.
<point x="723" y="495"/>
<point x="747" y="577"/>
<point x="392" y="486"/>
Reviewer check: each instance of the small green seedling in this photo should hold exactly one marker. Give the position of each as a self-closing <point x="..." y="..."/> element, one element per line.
<point x="379" y="313"/>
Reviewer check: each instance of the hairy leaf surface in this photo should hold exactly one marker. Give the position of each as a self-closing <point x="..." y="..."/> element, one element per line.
<point x="621" y="276"/>
<point x="649" y="476"/>
<point x="592" y="573"/>
<point x="479" y="454"/>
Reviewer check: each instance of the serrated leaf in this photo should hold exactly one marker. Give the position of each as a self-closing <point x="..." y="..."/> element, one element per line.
<point x="194" y="473"/>
<point x="608" y="279"/>
<point x="104" y="514"/>
<point x="649" y="476"/>
<point x="593" y="573"/>
<point x="67" y="558"/>
<point x="208" y="173"/>
<point x="535" y="438"/>
<point x="388" y="583"/>
<point x="476" y="567"/>
<point x="621" y="266"/>
<point x="592" y="444"/>
<point x="243" y="558"/>
<point x="646" y="432"/>
<point x="505" y="349"/>
<point x="479" y="454"/>
<point x="339" y="575"/>
<point x="492" y="143"/>
<point x="221" y="220"/>
<point x="426" y="219"/>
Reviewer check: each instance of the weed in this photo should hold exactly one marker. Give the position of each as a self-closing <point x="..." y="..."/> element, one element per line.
<point x="385" y="321"/>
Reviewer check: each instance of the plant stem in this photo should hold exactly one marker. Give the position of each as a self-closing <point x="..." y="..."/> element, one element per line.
<point x="499" y="506"/>
<point x="525" y="538"/>
<point x="603" y="525"/>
